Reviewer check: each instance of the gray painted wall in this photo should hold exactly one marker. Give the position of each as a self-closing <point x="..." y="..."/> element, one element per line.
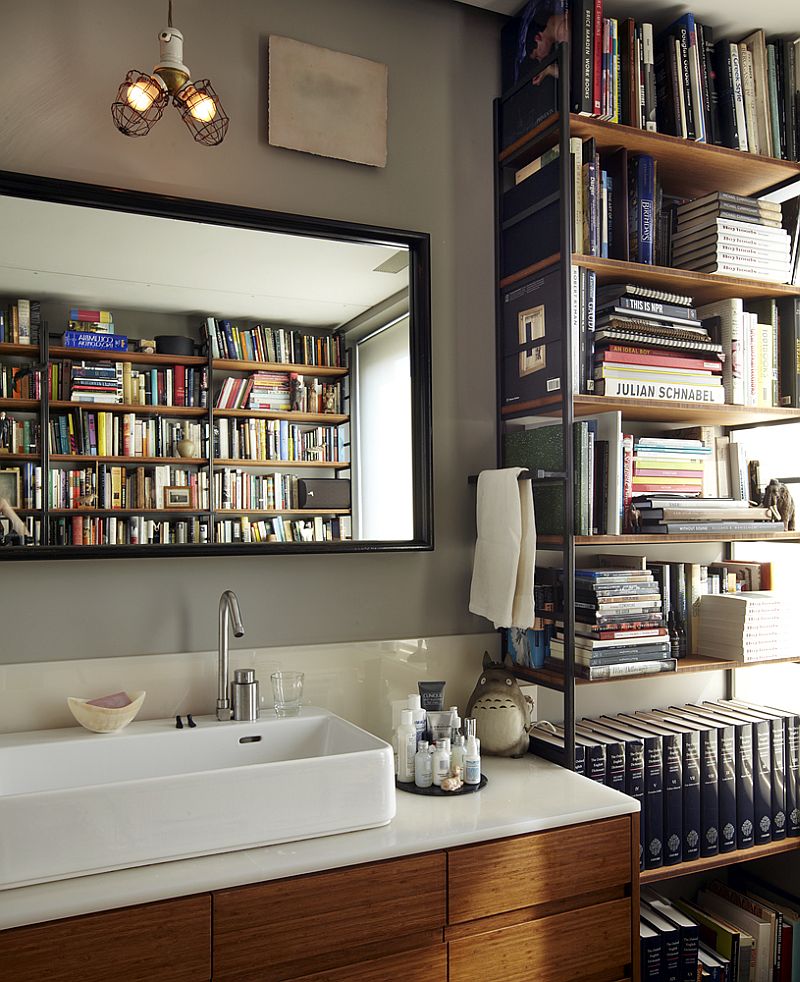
<point x="62" y="63"/>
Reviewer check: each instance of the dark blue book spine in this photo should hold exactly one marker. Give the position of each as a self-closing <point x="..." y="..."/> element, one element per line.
<point x="709" y="793"/>
<point x="615" y="766"/>
<point x="651" y="958"/>
<point x="230" y="348"/>
<point x="645" y="195"/>
<point x="727" y="789"/>
<point x="653" y="803"/>
<point x="779" y="782"/>
<point x="596" y="763"/>
<point x="792" y="740"/>
<point x="762" y="782"/>
<point x="673" y="799"/>
<point x="691" y="799"/>
<point x="689" y="946"/>
<point x="634" y="786"/>
<point x="745" y="807"/>
<point x="592" y="201"/>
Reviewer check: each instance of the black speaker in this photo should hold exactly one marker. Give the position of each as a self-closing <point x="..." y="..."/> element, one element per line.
<point x="319" y="493"/>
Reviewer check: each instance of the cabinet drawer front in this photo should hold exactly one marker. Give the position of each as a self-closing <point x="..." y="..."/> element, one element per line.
<point x="594" y="941"/>
<point x="290" y="928"/>
<point x="540" y="868"/>
<point x="163" y="942"/>
<point x="425" y="965"/>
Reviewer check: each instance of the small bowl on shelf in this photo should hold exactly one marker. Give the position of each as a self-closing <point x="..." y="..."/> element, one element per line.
<point x="105" y="719"/>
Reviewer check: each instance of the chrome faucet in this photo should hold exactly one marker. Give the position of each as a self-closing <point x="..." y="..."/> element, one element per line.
<point x="228" y="608"/>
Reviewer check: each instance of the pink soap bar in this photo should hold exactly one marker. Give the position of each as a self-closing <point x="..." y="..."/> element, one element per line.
<point x="115" y="701"/>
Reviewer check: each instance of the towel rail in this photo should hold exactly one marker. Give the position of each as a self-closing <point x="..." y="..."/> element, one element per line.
<point x="534" y="476"/>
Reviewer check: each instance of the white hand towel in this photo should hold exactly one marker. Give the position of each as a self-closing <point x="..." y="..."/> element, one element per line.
<point x="505" y="552"/>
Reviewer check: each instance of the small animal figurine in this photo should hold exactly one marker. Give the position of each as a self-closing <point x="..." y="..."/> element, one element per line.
<point x="500" y="710"/>
<point x="778" y="496"/>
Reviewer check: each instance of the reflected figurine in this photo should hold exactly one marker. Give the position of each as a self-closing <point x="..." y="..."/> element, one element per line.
<point x="5" y="432"/>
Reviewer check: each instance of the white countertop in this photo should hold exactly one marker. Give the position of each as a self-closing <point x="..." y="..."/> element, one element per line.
<point x="527" y="795"/>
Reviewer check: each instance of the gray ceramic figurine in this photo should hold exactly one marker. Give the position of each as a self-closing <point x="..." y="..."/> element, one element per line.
<point x="500" y="710"/>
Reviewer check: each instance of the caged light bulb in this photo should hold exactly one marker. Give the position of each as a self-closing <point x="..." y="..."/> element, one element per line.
<point x="201" y="106"/>
<point x="142" y="95"/>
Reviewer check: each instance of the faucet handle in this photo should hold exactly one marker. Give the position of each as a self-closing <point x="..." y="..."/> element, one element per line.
<point x="224" y="711"/>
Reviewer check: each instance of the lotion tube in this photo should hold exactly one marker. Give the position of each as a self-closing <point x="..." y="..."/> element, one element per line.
<point x="432" y="695"/>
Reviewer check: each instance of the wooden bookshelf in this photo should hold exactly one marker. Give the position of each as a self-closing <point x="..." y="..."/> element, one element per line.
<point x="656" y="411"/>
<point x="716" y="862"/>
<point x="8" y="350"/>
<point x="336" y="465"/>
<point x="687" y="168"/>
<point x="195" y="412"/>
<point x="108" y="512"/>
<point x="18" y="456"/>
<point x="137" y="357"/>
<point x="236" y="365"/>
<point x="20" y="405"/>
<point x="323" y="418"/>
<point x="556" y="541"/>
<point x="106" y="459"/>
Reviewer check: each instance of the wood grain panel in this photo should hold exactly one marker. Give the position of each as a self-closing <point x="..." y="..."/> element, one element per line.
<point x="591" y="943"/>
<point x="163" y="942"/>
<point x="425" y="965"/>
<point x="291" y="928"/>
<point x="536" y="869"/>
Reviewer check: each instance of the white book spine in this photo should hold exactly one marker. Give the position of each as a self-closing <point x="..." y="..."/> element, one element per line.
<point x="749" y="93"/>
<point x="663" y="392"/>
<point x="738" y="97"/>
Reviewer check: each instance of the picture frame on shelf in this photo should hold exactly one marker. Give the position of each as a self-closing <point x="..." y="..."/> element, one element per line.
<point x="11" y="485"/>
<point x="178" y="497"/>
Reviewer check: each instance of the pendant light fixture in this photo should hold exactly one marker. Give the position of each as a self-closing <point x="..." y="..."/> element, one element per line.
<point x="142" y="98"/>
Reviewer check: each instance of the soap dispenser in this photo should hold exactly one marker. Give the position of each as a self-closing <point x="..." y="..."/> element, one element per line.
<point x="244" y="695"/>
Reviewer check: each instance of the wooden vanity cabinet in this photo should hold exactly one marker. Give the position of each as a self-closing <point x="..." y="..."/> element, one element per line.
<point x="162" y="942"/>
<point x="554" y="906"/>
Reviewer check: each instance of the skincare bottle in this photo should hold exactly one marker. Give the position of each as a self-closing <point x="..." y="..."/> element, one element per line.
<point x="456" y="724"/>
<point x="441" y="762"/>
<point x="472" y="762"/>
<point x="406" y="747"/>
<point x="470" y="729"/>
<point x="457" y="754"/>
<point x="418" y="716"/>
<point x="432" y="694"/>
<point x="423" y="766"/>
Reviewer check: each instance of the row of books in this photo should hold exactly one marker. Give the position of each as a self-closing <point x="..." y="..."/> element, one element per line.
<point x="710" y="778"/>
<point x="742" y="930"/>
<point x="643" y="343"/>
<point x="316" y="529"/>
<point x="22" y="435"/>
<point x="681" y="80"/>
<point x="21" y="322"/>
<point x="112" y="487"/>
<point x="19" y="383"/>
<point x="87" y="530"/>
<point x="278" y="439"/>
<point x="280" y="391"/>
<point x="679" y="514"/>
<point x="239" y="490"/>
<point x="119" y="382"/>
<point x="106" y="434"/>
<point x="277" y="345"/>
<point x="28" y="480"/>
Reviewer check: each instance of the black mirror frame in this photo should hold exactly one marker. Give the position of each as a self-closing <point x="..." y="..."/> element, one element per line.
<point x="237" y="216"/>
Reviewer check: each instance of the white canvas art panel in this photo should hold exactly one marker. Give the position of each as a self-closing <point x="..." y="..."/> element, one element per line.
<point x="327" y="103"/>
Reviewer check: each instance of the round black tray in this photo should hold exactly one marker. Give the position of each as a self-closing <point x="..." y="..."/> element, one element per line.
<point x="435" y="792"/>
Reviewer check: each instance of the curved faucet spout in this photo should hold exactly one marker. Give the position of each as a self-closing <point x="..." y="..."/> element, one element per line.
<point x="228" y="611"/>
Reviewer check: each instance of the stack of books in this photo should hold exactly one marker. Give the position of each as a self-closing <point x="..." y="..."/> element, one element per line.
<point x="270" y="390"/>
<point x="663" y="465"/>
<point x="731" y="234"/>
<point x="99" y="381"/>
<point x="675" y="514"/>
<point x="651" y="345"/>
<point x="746" y="627"/>
<point x="21" y="323"/>
<point x="619" y="626"/>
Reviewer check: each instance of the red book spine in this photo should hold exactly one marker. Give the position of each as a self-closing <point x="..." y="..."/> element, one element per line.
<point x="627" y="480"/>
<point x="613" y="356"/>
<point x="597" y="58"/>
<point x="179" y="395"/>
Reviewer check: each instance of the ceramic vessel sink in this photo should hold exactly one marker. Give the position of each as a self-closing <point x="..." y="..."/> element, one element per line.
<point x="74" y="802"/>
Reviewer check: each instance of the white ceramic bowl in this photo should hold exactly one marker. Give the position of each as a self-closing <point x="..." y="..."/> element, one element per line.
<point x="101" y="719"/>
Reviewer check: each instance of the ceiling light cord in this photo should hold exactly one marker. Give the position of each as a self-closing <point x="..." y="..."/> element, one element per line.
<point x="169" y="15"/>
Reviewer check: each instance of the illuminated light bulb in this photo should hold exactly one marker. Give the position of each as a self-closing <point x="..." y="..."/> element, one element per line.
<point x="142" y="95"/>
<point x="201" y="106"/>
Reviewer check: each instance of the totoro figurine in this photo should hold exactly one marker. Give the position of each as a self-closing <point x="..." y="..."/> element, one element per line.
<point x="500" y="710"/>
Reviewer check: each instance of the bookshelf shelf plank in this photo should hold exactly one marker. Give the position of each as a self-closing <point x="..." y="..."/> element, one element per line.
<point x="237" y="365"/>
<point x="18" y="456"/>
<point x="20" y="405"/>
<point x="702" y="287"/>
<point x="687" y="168"/>
<point x="653" y="410"/>
<point x="110" y="459"/>
<point x="7" y="349"/>
<point x="137" y="357"/>
<point x="715" y="862"/>
<point x="102" y="512"/>
<point x="119" y="407"/>
<point x="283" y="464"/>
<point x="221" y="513"/>
<point x="555" y="541"/>
<point x="323" y="418"/>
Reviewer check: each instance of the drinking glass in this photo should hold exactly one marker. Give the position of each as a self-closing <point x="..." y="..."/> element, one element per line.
<point x="287" y="688"/>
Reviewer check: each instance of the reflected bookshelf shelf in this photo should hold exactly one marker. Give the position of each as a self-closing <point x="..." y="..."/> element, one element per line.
<point x="555" y="542"/>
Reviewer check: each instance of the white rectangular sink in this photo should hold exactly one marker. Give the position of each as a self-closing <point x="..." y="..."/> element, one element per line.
<point x="74" y="802"/>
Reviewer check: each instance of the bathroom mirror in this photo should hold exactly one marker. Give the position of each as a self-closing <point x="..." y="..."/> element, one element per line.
<point x="285" y="405"/>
